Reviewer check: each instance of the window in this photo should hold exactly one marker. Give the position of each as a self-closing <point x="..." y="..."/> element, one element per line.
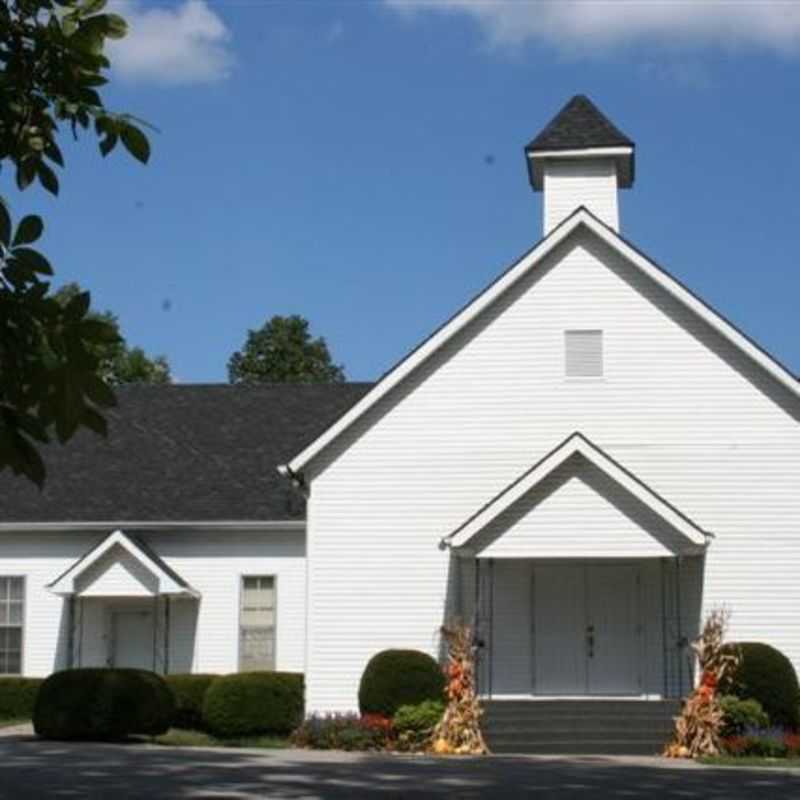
<point x="12" y="591"/>
<point x="257" y="623"/>
<point x="583" y="354"/>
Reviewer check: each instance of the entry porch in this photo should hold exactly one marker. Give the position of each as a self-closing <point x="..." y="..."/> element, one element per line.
<point x="125" y="607"/>
<point x="581" y="582"/>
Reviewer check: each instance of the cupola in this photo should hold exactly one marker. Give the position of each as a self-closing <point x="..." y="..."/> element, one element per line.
<point x="580" y="159"/>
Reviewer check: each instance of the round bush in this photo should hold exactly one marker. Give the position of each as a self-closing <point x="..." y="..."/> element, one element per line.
<point x="254" y="702"/>
<point x="765" y="674"/>
<point x="102" y="704"/>
<point x="395" y="678"/>
<point x="189" y="692"/>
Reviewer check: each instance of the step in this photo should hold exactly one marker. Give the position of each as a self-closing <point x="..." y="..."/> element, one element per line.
<point x="561" y="735"/>
<point x="621" y="747"/>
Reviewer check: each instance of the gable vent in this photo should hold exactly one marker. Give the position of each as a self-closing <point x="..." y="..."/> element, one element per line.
<point x="583" y="354"/>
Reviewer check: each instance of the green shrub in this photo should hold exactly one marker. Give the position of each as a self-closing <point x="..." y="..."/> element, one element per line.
<point x="414" y="724"/>
<point x="765" y="674"/>
<point x="395" y="678"/>
<point x="102" y="704"/>
<point x="343" y="732"/>
<point x="18" y="697"/>
<point x="741" y="715"/>
<point x="189" y="692"/>
<point x="254" y="702"/>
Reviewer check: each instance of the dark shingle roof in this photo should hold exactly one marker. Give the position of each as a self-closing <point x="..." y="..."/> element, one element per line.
<point x="579" y="124"/>
<point x="183" y="452"/>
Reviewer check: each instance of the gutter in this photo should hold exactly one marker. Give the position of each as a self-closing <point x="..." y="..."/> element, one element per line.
<point x="152" y="525"/>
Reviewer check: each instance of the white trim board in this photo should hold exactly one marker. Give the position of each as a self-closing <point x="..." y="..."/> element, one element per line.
<point x="576" y="443"/>
<point x="581" y="218"/>
<point x="64" y="585"/>
<point x="149" y="525"/>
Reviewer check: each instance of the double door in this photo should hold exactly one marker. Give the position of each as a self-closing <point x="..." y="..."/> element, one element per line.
<point x="586" y="630"/>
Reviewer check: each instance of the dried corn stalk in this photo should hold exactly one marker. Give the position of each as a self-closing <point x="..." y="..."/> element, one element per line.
<point x="459" y="730"/>
<point x="697" y="729"/>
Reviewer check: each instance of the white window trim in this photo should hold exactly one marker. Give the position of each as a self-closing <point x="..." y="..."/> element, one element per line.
<point x="23" y="625"/>
<point x="241" y="579"/>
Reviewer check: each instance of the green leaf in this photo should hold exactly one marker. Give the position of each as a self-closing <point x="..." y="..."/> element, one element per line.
<point x="95" y="421"/>
<point x="26" y="172"/>
<point x="53" y="152"/>
<point x="47" y="178"/>
<point x="93" y="7"/>
<point x="108" y="144"/>
<point x="29" y="230"/>
<point x="99" y="392"/>
<point x="5" y="225"/>
<point x="116" y="27"/>
<point x="135" y="142"/>
<point x="33" y="260"/>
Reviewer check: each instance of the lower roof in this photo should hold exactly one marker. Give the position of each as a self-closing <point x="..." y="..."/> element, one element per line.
<point x="183" y="452"/>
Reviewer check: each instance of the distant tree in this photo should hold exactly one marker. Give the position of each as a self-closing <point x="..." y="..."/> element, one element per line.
<point x="118" y="363"/>
<point x="282" y="351"/>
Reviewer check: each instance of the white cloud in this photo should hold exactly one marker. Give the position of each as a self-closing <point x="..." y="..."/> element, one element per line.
<point x="179" y="44"/>
<point x="584" y="27"/>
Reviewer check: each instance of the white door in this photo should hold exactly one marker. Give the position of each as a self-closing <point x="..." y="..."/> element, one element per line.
<point x="586" y="630"/>
<point x="613" y="630"/>
<point x="132" y="638"/>
<point x="559" y="650"/>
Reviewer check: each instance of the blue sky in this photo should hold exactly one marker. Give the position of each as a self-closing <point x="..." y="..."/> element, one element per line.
<point x="360" y="163"/>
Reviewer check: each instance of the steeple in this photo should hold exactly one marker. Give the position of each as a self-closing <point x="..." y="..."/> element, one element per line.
<point x="580" y="159"/>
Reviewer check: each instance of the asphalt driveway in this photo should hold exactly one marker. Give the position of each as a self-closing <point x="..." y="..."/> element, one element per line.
<point x="35" y="769"/>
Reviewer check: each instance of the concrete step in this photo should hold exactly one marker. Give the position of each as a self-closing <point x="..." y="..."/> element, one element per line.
<point x="574" y="726"/>
<point x="578" y="747"/>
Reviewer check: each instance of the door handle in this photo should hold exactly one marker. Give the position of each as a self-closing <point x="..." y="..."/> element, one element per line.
<point x="590" y="641"/>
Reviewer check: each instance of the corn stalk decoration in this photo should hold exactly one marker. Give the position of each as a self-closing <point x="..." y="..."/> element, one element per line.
<point x="697" y="729"/>
<point x="459" y="730"/>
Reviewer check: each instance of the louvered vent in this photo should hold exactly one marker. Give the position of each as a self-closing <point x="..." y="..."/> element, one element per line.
<point x="583" y="354"/>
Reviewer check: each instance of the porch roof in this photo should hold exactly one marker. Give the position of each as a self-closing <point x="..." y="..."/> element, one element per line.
<point x="121" y="565"/>
<point x="686" y="536"/>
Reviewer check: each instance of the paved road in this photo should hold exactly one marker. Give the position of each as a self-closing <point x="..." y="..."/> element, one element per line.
<point x="34" y="769"/>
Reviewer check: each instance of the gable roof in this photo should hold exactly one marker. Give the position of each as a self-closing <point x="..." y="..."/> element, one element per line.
<point x="577" y="444"/>
<point x="580" y="219"/>
<point x="169" y="582"/>
<point x="182" y="453"/>
<point x="580" y="124"/>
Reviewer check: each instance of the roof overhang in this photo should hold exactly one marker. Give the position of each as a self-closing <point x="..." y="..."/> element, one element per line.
<point x="166" y="580"/>
<point x="155" y="525"/>
<point x="581" y="219"/>
<point x="623" y="157"/>
<point x="692" y="538"/>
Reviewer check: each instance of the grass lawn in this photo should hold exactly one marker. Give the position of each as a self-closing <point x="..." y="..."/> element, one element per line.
<point x="750" y="761"/>
<point x="179" y="737"/>
<point x="8" y="723"/>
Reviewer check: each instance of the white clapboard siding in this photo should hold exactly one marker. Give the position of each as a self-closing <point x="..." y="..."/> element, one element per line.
<point x="204" y="634"/>
<point x="676" y="405"/>
<point x="567" y="516"/>
<point x="117" y="573"/>
<point x="568" y="185"/>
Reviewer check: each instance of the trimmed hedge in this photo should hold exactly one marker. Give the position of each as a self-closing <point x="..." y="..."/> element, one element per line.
<point x="189" y="692"/>
<point x="18" y="697"/>
<point x="102" y="704"/>
<point x="765" y="674"/>
<point x="254" y="702"/>
<point x="395" y="678"/>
